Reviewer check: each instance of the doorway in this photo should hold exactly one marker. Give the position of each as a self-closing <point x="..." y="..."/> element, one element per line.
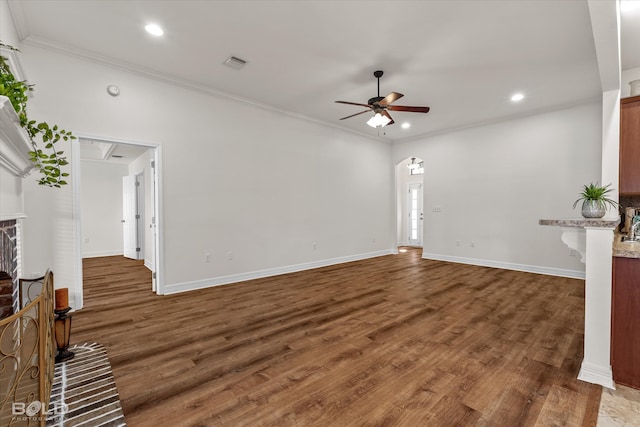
<point x="126" y="158"/>
<point x="410" y="212"/>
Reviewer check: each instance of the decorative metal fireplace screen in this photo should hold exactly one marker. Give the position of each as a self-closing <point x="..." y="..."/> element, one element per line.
<point x="27" y="357"/>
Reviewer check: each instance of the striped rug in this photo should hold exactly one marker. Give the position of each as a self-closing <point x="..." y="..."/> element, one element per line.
<point x="84" y="392"/>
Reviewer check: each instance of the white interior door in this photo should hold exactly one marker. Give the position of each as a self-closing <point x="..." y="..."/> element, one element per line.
<point x="152" y="251"/>
<point x="415" y="215"/>
<point x="129" y="220"/>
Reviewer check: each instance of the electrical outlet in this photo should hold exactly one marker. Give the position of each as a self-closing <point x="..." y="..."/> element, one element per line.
<point x="315" y="246"/>
<point x="207" y="257"/>
<point x="229" y="255"/>
<point x="572" y="253"/>
<point x="457" y="242"/>
<point x="473" y="244"/>
<point x="436" y="209"/>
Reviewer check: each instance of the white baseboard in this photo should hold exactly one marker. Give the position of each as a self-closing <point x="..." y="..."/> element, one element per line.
<point x="102" y="253"/>
<point x="234" y="278"/>
<point x="573" y="274"/>
<point x="596" y="374"/>
<point x="149" y="264"/>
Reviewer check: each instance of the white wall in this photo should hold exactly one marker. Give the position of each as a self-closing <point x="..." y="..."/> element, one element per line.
<point x="142" y="165"/>
<point x="8" y="33"/>
<point x="11" y="199"/>
<point x="495" y="182"/>
<point x="48" y="235"/>
<point x="275" y="191"/>
<point x="101" y="204"/>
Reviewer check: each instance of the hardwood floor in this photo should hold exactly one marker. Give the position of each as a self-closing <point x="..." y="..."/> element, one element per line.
<point x="389" y="341"/>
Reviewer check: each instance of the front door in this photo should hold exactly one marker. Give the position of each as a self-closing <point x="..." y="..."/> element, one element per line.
<point x="415" y="215"/>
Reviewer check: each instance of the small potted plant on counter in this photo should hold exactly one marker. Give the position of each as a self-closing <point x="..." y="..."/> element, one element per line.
<point x="595" y="200"/>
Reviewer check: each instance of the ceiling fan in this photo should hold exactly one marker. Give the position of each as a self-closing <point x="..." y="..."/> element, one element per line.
<point x="381" y="106"/>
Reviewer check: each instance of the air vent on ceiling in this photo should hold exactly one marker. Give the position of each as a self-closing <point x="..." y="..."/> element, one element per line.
<point x="235" y="62"/>
<point x="116" y="156"/>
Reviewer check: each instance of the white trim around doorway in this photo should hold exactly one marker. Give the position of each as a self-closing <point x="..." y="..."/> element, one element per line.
<point x="156" y="156"/>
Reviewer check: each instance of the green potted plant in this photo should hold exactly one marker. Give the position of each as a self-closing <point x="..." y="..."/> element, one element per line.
<point x="595" y="200"/>
<point x="46" y="158"/>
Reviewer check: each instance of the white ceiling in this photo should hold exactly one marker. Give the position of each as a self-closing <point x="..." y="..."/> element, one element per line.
<point x="120" y="153"/>
<point x="463" y="59"/>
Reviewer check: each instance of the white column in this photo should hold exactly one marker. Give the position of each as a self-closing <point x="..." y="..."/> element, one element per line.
<point x="596" y="364"/>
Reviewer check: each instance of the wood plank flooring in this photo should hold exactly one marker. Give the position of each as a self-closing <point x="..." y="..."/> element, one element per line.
<point x="389" y="341"/>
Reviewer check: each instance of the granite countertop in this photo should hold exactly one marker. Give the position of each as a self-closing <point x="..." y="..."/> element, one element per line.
<point x="620" y="249"/>
<point x="582" y="222"/>
<point x="625" y="249"/>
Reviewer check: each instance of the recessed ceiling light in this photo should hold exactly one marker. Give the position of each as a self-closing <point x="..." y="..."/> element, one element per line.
<point x="406" y="125"/>
<point x="154" y="30"/>
<point x="517" y="97"/>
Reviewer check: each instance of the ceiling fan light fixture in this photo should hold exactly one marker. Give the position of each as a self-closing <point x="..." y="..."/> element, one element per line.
<point x="413" y="164"/>
<point x="378" y="121"/>
<point x="381" y="105"/>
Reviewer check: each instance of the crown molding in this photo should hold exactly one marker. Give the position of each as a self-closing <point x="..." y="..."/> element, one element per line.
<point x="174" y="81"/>
<point x="14" y="63"/>
<point x="14" y="142"/>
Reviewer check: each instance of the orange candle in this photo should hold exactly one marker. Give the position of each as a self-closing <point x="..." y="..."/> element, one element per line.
<point x="62" y="298"/>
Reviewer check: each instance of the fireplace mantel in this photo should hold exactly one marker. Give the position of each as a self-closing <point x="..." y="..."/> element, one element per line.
<point x="14" y="142"/>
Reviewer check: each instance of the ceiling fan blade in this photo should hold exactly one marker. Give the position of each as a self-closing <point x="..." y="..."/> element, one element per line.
<point x="392" y="97"/>
<point x="356" y="114"/>
<point x="353" y="103"/>
<point x="409" y="109"/>
<point x="385" y="113"/>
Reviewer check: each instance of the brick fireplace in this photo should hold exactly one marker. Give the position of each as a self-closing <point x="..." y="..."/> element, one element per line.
<point x="8" y="268"/>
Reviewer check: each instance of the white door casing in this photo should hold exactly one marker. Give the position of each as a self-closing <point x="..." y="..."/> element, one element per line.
<point x="76" y="283"/>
